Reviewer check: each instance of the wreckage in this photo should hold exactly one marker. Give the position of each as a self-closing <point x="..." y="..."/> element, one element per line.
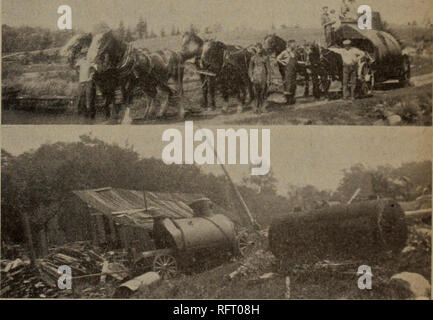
<point x="361" y="230"/>
<point x="164" y="233"/>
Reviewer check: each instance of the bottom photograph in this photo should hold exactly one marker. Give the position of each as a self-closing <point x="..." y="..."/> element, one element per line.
<point x="235" y="213"/>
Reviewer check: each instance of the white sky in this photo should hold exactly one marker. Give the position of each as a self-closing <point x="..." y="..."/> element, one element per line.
<point x="299" y="155"/>
<point x="259" y="14"/>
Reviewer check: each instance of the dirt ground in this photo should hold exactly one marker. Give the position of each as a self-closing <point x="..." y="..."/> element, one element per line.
<point x="410" y="104"/>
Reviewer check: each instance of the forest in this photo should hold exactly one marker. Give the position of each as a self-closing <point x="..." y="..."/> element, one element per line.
<point x="40" y="183"/>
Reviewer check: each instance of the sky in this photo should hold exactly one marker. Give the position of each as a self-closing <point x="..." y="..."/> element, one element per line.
<point x="299" y="155"/>
<point x="259" y="14"/>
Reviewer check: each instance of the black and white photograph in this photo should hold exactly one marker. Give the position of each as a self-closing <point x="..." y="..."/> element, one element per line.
<point x="241" y="62"/>
<point x="210" y="157"/>
<point x="343" y="217"/>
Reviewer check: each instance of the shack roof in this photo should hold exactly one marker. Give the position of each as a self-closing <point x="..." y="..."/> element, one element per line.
<point x="128" y="206"/>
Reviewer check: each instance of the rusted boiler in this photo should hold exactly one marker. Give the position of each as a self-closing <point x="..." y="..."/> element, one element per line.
<point x="361" y="230"/>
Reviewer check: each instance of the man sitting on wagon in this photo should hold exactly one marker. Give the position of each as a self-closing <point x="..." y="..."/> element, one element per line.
<point x="327" y="24"/>
<point x="87" y="89"/>
<point x="351" y="57"/>
<point x="349" y="11"/>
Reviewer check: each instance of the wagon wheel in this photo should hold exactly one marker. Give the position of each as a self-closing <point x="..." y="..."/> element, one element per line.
<point x="405" y="72"/>
<point x="165" y="265"/>
<point x="244" y="245"/>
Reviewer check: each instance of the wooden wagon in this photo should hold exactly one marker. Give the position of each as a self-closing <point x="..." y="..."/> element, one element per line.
<point x="387" y="59"/>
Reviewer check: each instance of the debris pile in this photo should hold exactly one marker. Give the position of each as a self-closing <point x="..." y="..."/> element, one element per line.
<point x="20" y="280"/>
<point x="416" y="256"/>
<point x="255" y="264"/>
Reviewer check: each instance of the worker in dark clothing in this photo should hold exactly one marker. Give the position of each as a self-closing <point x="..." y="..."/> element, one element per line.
<point x="288" y="59"/>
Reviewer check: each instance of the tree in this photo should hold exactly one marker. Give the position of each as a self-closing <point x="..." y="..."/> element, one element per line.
<point x="121" y="30"/>
<point x="173" y="31"/>
<point x="142" y="28"/>
<point x="264" y="184"/>
<point x="46" y="40"/>
<point x="100" y="28"/>
<point x="152" y="34"/>
<point x="128" y="36"/>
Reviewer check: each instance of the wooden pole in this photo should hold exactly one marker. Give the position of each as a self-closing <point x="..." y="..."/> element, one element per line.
<point x="238" y="194"/>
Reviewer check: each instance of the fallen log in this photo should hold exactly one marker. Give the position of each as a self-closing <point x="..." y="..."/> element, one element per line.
<point x="357" y="231"/>
<point x="206" y="73"/>
<point x="418" y="214"/>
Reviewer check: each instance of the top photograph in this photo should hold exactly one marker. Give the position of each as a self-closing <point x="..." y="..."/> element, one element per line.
<point x="237" y="62"/>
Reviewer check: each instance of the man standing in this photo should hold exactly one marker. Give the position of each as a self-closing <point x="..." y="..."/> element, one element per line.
<point x="349" y="11"/>
<point x="260" y="75"/>
<point x="87" y="88"/>
<point x="336" y="23"/>
<point x="327" y="24"/>
<point x="288" y="59"/>
<point x="351" y="57"/>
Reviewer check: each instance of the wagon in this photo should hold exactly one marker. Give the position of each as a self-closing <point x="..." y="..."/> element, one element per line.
<point x="182" y="244"/>
<point x="387" y="60"/>
<point x="162" y="232"/>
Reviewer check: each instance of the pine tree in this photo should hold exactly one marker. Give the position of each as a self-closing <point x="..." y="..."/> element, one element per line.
<point x="142" y="28"/>
<point x="121" y="30"/>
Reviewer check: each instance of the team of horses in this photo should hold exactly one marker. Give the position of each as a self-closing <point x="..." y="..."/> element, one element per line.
<point x="221" y="67"/>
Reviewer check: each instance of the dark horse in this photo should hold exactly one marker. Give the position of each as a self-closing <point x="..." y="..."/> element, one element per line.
<point x="107" y="82"/>
<point x="273" y="44"/>
<point x="149" y="71"/>
<point x="227" y="68"/>
<point x="325" y="65"/>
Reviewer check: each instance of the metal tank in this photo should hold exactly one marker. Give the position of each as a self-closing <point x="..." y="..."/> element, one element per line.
<point x="361" y="230"/>
<point x="215" y="231"/>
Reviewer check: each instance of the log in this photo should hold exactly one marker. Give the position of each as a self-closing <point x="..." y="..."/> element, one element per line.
<point x="206" y="73"/>
<point x="418" y="214"/>
<point x="362" y="230"/>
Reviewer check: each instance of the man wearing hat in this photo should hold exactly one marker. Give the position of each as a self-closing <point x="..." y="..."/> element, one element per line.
<point x="288" y="59"/>
<point x="327" y="24"/>
<point x="349" y="11"/>
<point x="87" y="88"/>
<point x="351" y="57"/>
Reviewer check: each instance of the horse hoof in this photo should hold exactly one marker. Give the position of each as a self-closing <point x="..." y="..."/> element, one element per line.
<point x="182" y="115"/>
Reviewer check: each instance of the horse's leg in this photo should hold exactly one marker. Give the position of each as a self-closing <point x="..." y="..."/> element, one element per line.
<point x="180" y="76"/>
<point x="247" y="82"/>
<point x="164" y="86"/>
<point x="212" y="90"/>
<point x="257" y="94"/>
<point x="204" y="86"/>
<point x="242" y="96"/>
<point x="307" y="84"/>
<point x="109" y="99"/>
<point x="151" y="92"/>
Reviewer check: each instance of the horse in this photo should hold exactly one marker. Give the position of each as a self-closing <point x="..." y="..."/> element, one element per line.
<point x="234" y="77"/>
<point x="325" y="65"/>
<point x="107" y="83"/>
<point x="149" y="71"/>
<point x="273" y="44"/>
<point x="230" y="75"/>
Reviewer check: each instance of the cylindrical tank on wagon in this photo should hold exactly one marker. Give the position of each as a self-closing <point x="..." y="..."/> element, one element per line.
<point x="215" y="231"/>
<point x="359" y="230"/>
